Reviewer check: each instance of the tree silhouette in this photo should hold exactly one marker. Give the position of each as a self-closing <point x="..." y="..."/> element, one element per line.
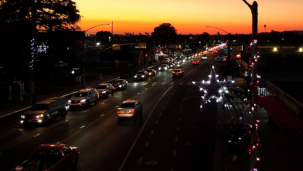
<point x="165" y="33"/>
<point x="44" y="15"/>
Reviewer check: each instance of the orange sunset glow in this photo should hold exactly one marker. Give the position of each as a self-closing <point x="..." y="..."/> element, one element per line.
<point x="189" y="17"/>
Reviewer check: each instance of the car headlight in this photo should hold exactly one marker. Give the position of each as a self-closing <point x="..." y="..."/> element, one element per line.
<point x="165" y="67"/>
<point x="103" y="92"/>
<point x="120" y="86"/>
<point x="159" y="68"/>
<point x="83" y="100"/>
<point x="143" y="76"/>
<point x="73" y="72"/>
<point x="135" y="76"/>
<point x="23" y="116"/>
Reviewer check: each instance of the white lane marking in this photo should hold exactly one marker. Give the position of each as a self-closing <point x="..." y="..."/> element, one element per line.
<point x="160" y="114"/>
<point x="141" y="130"/>
<point x="166" y="102"/>
<point x="181" y="111"/>
<point x="181" y="105"/>
<point x="168" y="97"/>
<point x="171" y="169"/>
<point x="178" y="128"/>
<point x="176" y="139"/>
<point x="152" y="132"/>
<point x="174" y="153"/>
<point x="155" y="83"/>
<point x="172" y="94"/>
<point x="140" y="160"/>
<point x="146" y="144"/>
<point x="156" y="122"/>
<point x="179" y="118"/>
<point x="163" y="108"/>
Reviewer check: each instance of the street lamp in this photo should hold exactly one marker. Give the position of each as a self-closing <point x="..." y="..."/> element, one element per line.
<point x="83" y="53"/>
<point x="228" y="42"/>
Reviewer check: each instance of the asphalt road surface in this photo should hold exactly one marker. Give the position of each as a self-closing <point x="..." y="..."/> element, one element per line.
<point x="173" y="133"/>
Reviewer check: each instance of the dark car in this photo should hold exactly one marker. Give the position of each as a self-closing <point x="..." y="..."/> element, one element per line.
<point x="178" y="73"/>
<point x="141" y="75"/>
<point x="151" y="72"/>
<point x="119" y="84"/>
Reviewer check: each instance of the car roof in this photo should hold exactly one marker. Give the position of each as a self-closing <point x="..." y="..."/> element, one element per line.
<point x="86" y="90"/>
<point x="103" y="83"/>
<point x="130" y="101"/>
<point x="51" y="145"/>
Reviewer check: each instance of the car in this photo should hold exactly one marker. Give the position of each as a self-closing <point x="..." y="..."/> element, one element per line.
<point x="204" y="57"/>
<point x="105" y="89"/>
<point x="84" y="97"/>
<point x="44" y="111"/>
<point x="51" y="157"/>
<point x="119" y="84"/>
<point x="218" y="59"/>
<point x="170" y="64"/>
<point x="141" y="75"/>
<point x="129" y="109"/>
<point x="75" y="72"/>
<point x="178" y="73"/>
<point x="163" y="67"/>
<point x="195" y="62"/>
<point x="151" y="72"/>
<point x="61" y="64"/>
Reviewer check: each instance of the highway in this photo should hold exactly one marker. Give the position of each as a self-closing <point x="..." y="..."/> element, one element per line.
<point x="174" y="133"/>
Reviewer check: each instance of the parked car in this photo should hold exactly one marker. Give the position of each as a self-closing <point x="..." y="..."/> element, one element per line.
<point x="61" y="64"/>
<point x="129" y="108"/>
<point x="44" y="111"/>
<point x="51" y="157"/>
<point x="75" y="72"/>
<point x="105" y="89"/>
<point x="84" y="97"/>
<point x="178" y="73"/>
<point x="141" y="75"/>
<point x="119" y="84"/>
<point x="151" y="72"/>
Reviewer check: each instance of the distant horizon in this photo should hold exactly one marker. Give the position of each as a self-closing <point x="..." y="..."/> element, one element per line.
<point x="189" y="17"/>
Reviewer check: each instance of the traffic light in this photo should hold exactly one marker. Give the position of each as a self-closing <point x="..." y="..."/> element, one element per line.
<point x="231" y="48"/>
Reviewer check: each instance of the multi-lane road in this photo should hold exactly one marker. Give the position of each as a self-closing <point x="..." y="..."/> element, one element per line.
<point x="174" y="133"/>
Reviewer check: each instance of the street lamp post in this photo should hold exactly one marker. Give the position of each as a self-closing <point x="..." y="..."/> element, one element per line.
<point x="254" y="90"/>
<point x="228" y="42"/>
<point x="83" y="53"/>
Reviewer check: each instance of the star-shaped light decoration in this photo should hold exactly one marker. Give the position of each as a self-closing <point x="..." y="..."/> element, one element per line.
<point x="213" y="88"/>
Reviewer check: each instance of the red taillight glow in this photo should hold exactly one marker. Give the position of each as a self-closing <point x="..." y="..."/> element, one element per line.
<point x="132" y="111"/>
<point x="174" y="72"/>
<point x="118" y="111"/>
<point x="180" y="72"/>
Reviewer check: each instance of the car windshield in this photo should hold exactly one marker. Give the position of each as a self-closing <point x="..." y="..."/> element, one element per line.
<point x="140" y="73"/>
<point x="101" y="87"/>
<point x="163" y="65"/>
<point x="47" y="152"/>
<point x="149" y="70"/>
<point x="80" y="94"/>
<point x="116" y="82"/>
<point x="127" y="105"/>
<point x="39" y="107"/>
<point x="177" y="70"/>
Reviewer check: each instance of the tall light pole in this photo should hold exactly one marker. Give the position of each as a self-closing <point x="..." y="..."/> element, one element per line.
<point x="228" y="42"/>
<point x="254" y="160"/>
<point x="83" y="53"/>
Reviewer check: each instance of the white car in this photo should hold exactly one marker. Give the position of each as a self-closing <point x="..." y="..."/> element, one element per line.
<point x="84" y="97"/>
<point x="204" y="57"/>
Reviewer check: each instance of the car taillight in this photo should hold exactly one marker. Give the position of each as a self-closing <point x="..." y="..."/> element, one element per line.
<point x="174" y="72"/>
<point x="118" y="111"/>
<point x="180" y="72"/>
<point x="132" y="111"/>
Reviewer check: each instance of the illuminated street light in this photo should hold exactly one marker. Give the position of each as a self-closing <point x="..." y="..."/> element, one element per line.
<point x="275" y="49"/>
<point x="83" y="53"/>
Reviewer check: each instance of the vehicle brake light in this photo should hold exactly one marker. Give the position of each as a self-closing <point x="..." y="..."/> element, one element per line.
<point x="180" y="72"/>
<point x="118" y="111"/>
<point x="132" y="111"/>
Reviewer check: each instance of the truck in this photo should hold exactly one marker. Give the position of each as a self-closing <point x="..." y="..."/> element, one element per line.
<point x="51" y="157"/>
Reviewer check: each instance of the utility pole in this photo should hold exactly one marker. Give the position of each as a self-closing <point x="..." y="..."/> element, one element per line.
<point x="254" y="160"/>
